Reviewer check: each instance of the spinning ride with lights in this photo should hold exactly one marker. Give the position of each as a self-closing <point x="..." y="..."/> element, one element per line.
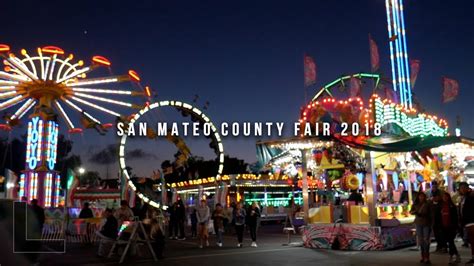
<point x="184" y="152"/>
<point x="45" y="83"/>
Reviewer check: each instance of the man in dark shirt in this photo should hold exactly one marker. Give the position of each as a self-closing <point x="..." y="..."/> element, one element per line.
<point x="356" y="197"/>
<point x="86" y="212"/>
<point x="39" y="213"/>
<point x="466" y="211"/>
<point x="108" y="233"/>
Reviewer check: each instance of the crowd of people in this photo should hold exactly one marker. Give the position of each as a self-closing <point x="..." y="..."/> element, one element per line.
<point x="223" y="219"/>
<point x="436" y="213"/>
<point x="202" y="219"/>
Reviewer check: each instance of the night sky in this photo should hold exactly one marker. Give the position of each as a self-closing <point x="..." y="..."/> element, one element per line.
<point x="246" y="57"/>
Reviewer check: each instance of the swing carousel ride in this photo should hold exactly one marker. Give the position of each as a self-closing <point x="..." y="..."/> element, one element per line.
<point x="47" y="82"/>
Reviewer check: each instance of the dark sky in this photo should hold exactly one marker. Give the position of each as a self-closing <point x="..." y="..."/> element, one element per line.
<point x="245" y="57"/>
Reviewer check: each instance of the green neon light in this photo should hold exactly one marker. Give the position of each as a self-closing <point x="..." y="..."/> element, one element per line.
<point x="414" y="125"/>
<point x="328" y="87"/>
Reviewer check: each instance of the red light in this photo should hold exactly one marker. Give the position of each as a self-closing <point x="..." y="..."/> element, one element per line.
<point x="5" y="127"/>
<point x="108" y="125"/>
<point x="4" y="48"/>
<point x="133" y="75"/>
<point x="100" y="60"/>
<point x="52" y="50"/>
<point x="75" y="130"/>
<point x="148" y="91"/>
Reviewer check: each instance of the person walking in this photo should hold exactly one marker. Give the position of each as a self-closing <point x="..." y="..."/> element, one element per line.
<point x="239" y="220"/>
<point x="449" y="226"/>
<point x="252" y="219"/>
<point x="203" y="215"/>
<point x="466" y="209"/>
<point x="218" y="218"/>
<point x="436" y="203"/>
<point x="423" y="221"/>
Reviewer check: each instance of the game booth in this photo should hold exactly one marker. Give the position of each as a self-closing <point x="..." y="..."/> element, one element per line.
<point x="386" y="181"/>
<point x="274" y="192"/>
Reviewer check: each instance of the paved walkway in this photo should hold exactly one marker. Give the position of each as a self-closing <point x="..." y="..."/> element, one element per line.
<point x="270" y="252"/>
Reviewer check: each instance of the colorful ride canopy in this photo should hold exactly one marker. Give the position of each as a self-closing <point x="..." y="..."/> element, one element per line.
<point x="380" y="116"/>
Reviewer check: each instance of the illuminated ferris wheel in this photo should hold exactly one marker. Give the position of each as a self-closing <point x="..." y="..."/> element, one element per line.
<point x="51" y="79"/>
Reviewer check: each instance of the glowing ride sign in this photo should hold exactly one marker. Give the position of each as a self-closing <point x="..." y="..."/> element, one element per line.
<point x="51" y="145"/>
<point x="414" y="124"/>
<point x="34" y="148"/>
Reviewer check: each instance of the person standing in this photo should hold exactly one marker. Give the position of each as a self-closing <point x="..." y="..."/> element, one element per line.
<point x="39" y="213"/>
<point x="181" y="218"/>
<point x="156" y="234"/>
<point x="252" y="219"/>
<point x="193" y="223"/>
<point x="356" y="197"/>
<point x="173" y="221"/>
<point x="203" y="215"/>
<point x="86" y="212"/>
<point x="218" y="218"/>
<point x="239" y="220"/>
<point x="449" y="226"/>
<point x="423" y="221"/>
<point x="35" y="230"/>
<point x="466" y="209"/>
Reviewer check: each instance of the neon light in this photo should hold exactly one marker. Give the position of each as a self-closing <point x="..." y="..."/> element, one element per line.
<point x="412" y="124"/>
<point x="4" y="48"/>
<point x="92" y="81"/>
<point x="102" y="91"/>
<point x="52" y="50"/>
<point x="399" y="57"/>
<point x="23" y="109"/>
<point x="58" y="188"/>
<point x="389" y="23"/>
<point x="64" y="115"/>
<point x="33" y="146"/>
<point x="48" y="182"/>
<point x="101" y="60"/>
<point x="6" y="75"/>
<point x="147" y="91"/>
<point x="63" y="64"/>
<point x="11" y="102"/>
<point x="7" y="94"/>
<point x="95" y="106"/>
<point x="33" y="191"/>
<point x="51" y="146"/>
<point x="97" y="98"/>
<point x="74" y="74"/>
<point x="40" y="140"/>
<point x="21" y="193"/>
<point x="133" y="75"/>
<point x="408" y="82"/>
